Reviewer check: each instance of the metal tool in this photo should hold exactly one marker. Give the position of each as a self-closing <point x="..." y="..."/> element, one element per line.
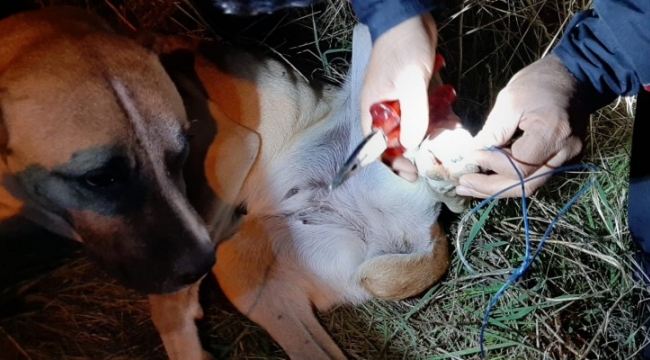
<point x="385" y="124"/>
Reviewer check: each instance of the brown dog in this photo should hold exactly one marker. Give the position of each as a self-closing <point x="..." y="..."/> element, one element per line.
<point x="92" y="147"/>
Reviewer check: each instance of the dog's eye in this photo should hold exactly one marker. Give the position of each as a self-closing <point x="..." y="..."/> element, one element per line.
<point x="100" y="179"/>
<point x="109" y="175"/>
<point x="175" y="162"/>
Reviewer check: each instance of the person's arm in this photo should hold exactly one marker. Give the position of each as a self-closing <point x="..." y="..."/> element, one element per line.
<point x="607" y="49"/>
<point x="382" y="15"/>
<point x="400" y="68"/>
<point x="603" y="54"/>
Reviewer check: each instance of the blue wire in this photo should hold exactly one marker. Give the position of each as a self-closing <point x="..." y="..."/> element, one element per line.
<point x="528" y="259"/>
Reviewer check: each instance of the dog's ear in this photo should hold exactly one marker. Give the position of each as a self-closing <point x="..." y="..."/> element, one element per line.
<point x="232" y="154"/>
<point x="177" y="55"/>
<point x="150" y="41"/>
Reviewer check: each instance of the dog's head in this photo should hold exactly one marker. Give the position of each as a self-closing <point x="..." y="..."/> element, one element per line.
<point x="93" y="143"/>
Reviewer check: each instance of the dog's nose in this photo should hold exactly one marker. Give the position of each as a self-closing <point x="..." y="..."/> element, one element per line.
<point x="196" y="264"/>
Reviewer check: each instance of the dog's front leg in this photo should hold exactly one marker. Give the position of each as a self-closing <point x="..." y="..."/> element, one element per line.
<point x="174" y="315"/>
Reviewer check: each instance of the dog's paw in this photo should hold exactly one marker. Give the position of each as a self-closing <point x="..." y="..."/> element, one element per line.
<point x="443" y="155"/>
<point x="441" y="162"/>
<point x="442" y="186"/>
<point x="445" y="192"/>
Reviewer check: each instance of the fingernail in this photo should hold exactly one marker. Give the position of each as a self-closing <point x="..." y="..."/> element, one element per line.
<point x="462" y="191"/>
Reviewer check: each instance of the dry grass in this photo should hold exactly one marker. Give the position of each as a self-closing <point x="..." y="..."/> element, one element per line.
<point x="578" y="301"/>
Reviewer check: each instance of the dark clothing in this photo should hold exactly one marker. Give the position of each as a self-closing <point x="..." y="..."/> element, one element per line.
<point x="607" y="49"/>
<point x="256" y="7"/>
<point x="639" y="195"/>
<point x="381" y="15"/>
<point x="378" y="15"/>
<point x="639" y="203"/>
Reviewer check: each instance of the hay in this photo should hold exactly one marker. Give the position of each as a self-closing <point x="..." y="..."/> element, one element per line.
<point x="579" y="301"/>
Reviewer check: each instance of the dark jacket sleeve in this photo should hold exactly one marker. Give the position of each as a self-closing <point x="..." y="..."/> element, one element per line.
<point x="607" y="49"/>
<point x="381" y="15"/>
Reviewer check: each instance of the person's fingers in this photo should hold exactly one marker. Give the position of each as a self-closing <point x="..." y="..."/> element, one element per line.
<point x="409" y="176"/>
<point x="375" y="90"/>
<point x="533" y="149"/>
<point x="501" y="123"/>
<point x="412" y="94"/>
<point x="403" y="168"/>
<point x="401" y="164"/>
<point x="545" y="133"/>
<point x="483" y="186"/>
<point x="498" y="162"/>
<point x="400" y="68"/>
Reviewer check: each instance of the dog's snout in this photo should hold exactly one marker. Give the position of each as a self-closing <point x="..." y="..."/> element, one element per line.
<point x="163" y="273"/>
<point x="161" y="256"/>
<point x="196" y="264"/>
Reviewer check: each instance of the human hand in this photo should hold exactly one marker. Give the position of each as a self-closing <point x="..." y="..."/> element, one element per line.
<point x="400" y="68"/>
<point x="539" y="101"/>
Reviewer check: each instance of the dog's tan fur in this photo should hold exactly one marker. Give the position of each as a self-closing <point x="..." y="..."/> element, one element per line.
<point x="399" y="276"/>
<point x="278" y="141"/>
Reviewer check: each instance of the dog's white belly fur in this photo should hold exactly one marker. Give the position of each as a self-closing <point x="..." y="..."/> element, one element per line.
<point x="329" y="233"/>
